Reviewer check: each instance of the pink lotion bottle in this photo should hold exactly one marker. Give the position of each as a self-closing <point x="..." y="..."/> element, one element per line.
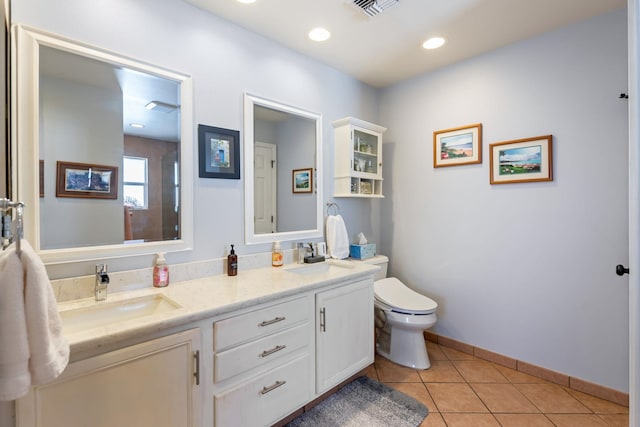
<point x="160" y="272"/>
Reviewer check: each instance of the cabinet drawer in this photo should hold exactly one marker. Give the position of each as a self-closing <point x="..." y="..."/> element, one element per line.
<point x="256" y="353"/>
<point x="259" y="323"/>
<point x="265" y="399"/>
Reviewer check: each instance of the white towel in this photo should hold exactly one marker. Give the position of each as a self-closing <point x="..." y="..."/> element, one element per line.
<point x="32" y="348"/>
<point x="337" y="237"/>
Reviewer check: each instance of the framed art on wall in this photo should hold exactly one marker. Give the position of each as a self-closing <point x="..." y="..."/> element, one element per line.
<point x="85" y="180"/>
<point x="302" y="180"/>
<point x="457" y="146"/>
<point x="218" y="152"/>
<point x="521" y="160"/>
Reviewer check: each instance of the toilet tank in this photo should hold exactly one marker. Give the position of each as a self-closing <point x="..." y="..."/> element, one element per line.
<point x="382" y="262"/>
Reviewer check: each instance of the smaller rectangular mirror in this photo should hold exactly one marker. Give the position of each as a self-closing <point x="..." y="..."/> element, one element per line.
<point x="283" y="183"/>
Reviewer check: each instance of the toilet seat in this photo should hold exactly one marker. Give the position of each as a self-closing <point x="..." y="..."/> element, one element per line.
<point x="393" y="293"/>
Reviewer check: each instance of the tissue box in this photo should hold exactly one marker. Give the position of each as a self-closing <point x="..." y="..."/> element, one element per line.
<point x="362" y="251"/>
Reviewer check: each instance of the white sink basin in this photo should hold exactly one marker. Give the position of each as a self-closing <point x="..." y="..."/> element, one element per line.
<point x="80" y="319"/>
<point x="318" y="268"/>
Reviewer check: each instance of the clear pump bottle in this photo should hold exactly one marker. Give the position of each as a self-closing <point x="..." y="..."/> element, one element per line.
<point x="277" y="257"/>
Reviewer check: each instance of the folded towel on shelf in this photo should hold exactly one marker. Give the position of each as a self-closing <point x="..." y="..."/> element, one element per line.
<point x="32" y="348"/>
<point x="337" y="237"/>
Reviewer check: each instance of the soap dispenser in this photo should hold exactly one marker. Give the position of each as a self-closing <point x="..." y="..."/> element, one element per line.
<point x="277" y="257"/>
<point x="160" y="271"/>
<point x="232" y="263"/>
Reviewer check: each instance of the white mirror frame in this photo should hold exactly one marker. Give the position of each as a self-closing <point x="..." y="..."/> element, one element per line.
<point x="25" y="136"/>
<point x="249" y="138"/>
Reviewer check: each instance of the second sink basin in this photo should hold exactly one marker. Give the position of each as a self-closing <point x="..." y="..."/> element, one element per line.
<point x="318" y="268"/>
<point x="80" y="319"/>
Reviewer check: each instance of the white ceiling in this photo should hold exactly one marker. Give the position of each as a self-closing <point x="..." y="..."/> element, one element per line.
<point x="386" y="48"/>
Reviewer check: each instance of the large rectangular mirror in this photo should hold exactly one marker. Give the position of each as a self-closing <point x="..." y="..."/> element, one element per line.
<point x="283" y="183"/>
<point x="104" y="151"/>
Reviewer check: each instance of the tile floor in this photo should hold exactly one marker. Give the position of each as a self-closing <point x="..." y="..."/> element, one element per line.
<point x="462" y="390"/>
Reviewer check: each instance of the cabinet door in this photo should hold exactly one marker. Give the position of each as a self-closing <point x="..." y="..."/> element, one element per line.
<point x="148" y="384"/>
<point x="344" y="333"/>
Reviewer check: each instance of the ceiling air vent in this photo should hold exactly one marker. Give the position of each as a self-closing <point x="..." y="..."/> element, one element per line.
<point x="374" y="7"/>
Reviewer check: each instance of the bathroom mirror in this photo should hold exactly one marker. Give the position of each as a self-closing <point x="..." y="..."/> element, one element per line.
<point x="94" y="186"/>
<point x="283" y="160"/>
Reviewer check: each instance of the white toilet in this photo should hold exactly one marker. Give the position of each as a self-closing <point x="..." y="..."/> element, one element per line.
<point x="401" y="316"/>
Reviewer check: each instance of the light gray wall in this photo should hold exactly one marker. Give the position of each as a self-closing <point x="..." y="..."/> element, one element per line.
<point x="525" y="270"/>
<point x="224" y="61"/>
<point x="74" y="128"/>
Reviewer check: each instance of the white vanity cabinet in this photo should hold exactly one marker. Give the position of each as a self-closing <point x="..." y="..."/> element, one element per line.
<point x="358" y="158"/>
<point x="149" y="384"/>
<point x="263" y="364"/>
<point x="344" y="333"/>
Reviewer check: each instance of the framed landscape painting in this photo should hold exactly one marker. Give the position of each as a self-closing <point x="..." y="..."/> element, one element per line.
<point x="521" y="160"/>
<point x="457" y="146"/>
<point x="302" y="180"/>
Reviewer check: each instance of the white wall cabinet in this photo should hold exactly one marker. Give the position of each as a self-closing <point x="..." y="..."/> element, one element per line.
<point x="148" y="384"/>
<point x="344" y="333"/>
<point x="358" y="158"/>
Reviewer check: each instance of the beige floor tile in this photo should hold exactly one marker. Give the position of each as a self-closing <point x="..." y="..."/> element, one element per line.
<point x="389" y="372"/>
<point x="551" y="399"/>
<point x="455" y="397"/>
<point x="517" y="377"/>
<point x="453" y="354"/>
<point x="372" y="373"/>
<point x="470" y="420"/>
<point x="576" y="420"/>
<point x="523" y="420"/>
<point x="503" y="398"/>
<point x="597" y="405"/>
<point x="435" y="352"/>
<point x="616" y="420"/>
<point x="433" y="420"/>
<point x="479" y="371"/>
<point x="441" y="371"/>
<point x="418" y="391"/>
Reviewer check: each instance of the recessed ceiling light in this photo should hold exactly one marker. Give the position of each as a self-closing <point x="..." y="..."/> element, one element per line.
<point x="319" y="34"/>
<point x="136" y="125"/>
<point x="246" y="1"/>
<point x="433" y="43"/>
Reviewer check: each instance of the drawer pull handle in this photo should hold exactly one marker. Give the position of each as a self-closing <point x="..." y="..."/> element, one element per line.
<point x="272" y="387"/>
<point x="272" y="321"/>
<point x="273" y="350"/>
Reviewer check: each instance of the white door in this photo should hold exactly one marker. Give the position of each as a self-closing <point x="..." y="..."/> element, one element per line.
<point x="633" y="11"/>
<point x="264" y="185"/>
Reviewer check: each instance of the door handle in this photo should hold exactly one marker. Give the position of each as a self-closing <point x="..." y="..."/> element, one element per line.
<point x="621" y="270"/>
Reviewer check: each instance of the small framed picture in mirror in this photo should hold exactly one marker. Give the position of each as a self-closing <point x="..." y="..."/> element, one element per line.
<point x="86" y="180"/>
<point x="302" y="180"/>
<point x="218" y="152"/>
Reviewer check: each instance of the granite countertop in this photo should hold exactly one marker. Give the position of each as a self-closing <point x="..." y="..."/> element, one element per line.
<point x="209" y="297"/>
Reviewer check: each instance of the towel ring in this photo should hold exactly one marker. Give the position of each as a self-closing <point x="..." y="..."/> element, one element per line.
<point x="333" y="208"/>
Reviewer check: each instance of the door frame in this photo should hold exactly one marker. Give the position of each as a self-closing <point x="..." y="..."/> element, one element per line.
<point x="633" y="18"/>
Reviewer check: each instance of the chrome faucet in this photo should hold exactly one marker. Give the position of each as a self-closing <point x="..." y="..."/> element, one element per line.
<point x="102" y="280"/>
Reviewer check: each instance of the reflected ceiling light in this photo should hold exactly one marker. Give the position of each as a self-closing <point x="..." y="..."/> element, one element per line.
<point x="160" y="106"/>
<point x="433" y="43"/>
<point x="319" y="34"/>
<point x="136" y="125"/>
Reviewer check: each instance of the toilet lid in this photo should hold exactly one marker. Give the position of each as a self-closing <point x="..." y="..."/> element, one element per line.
<point x="394" y="293"/>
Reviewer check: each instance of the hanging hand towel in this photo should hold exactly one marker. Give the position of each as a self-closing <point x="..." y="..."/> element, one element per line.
<point x="48" y="347"/>
<point x="337" y="237"/>
<point x="15" y="378"/>
<point x="32" y="348"/>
